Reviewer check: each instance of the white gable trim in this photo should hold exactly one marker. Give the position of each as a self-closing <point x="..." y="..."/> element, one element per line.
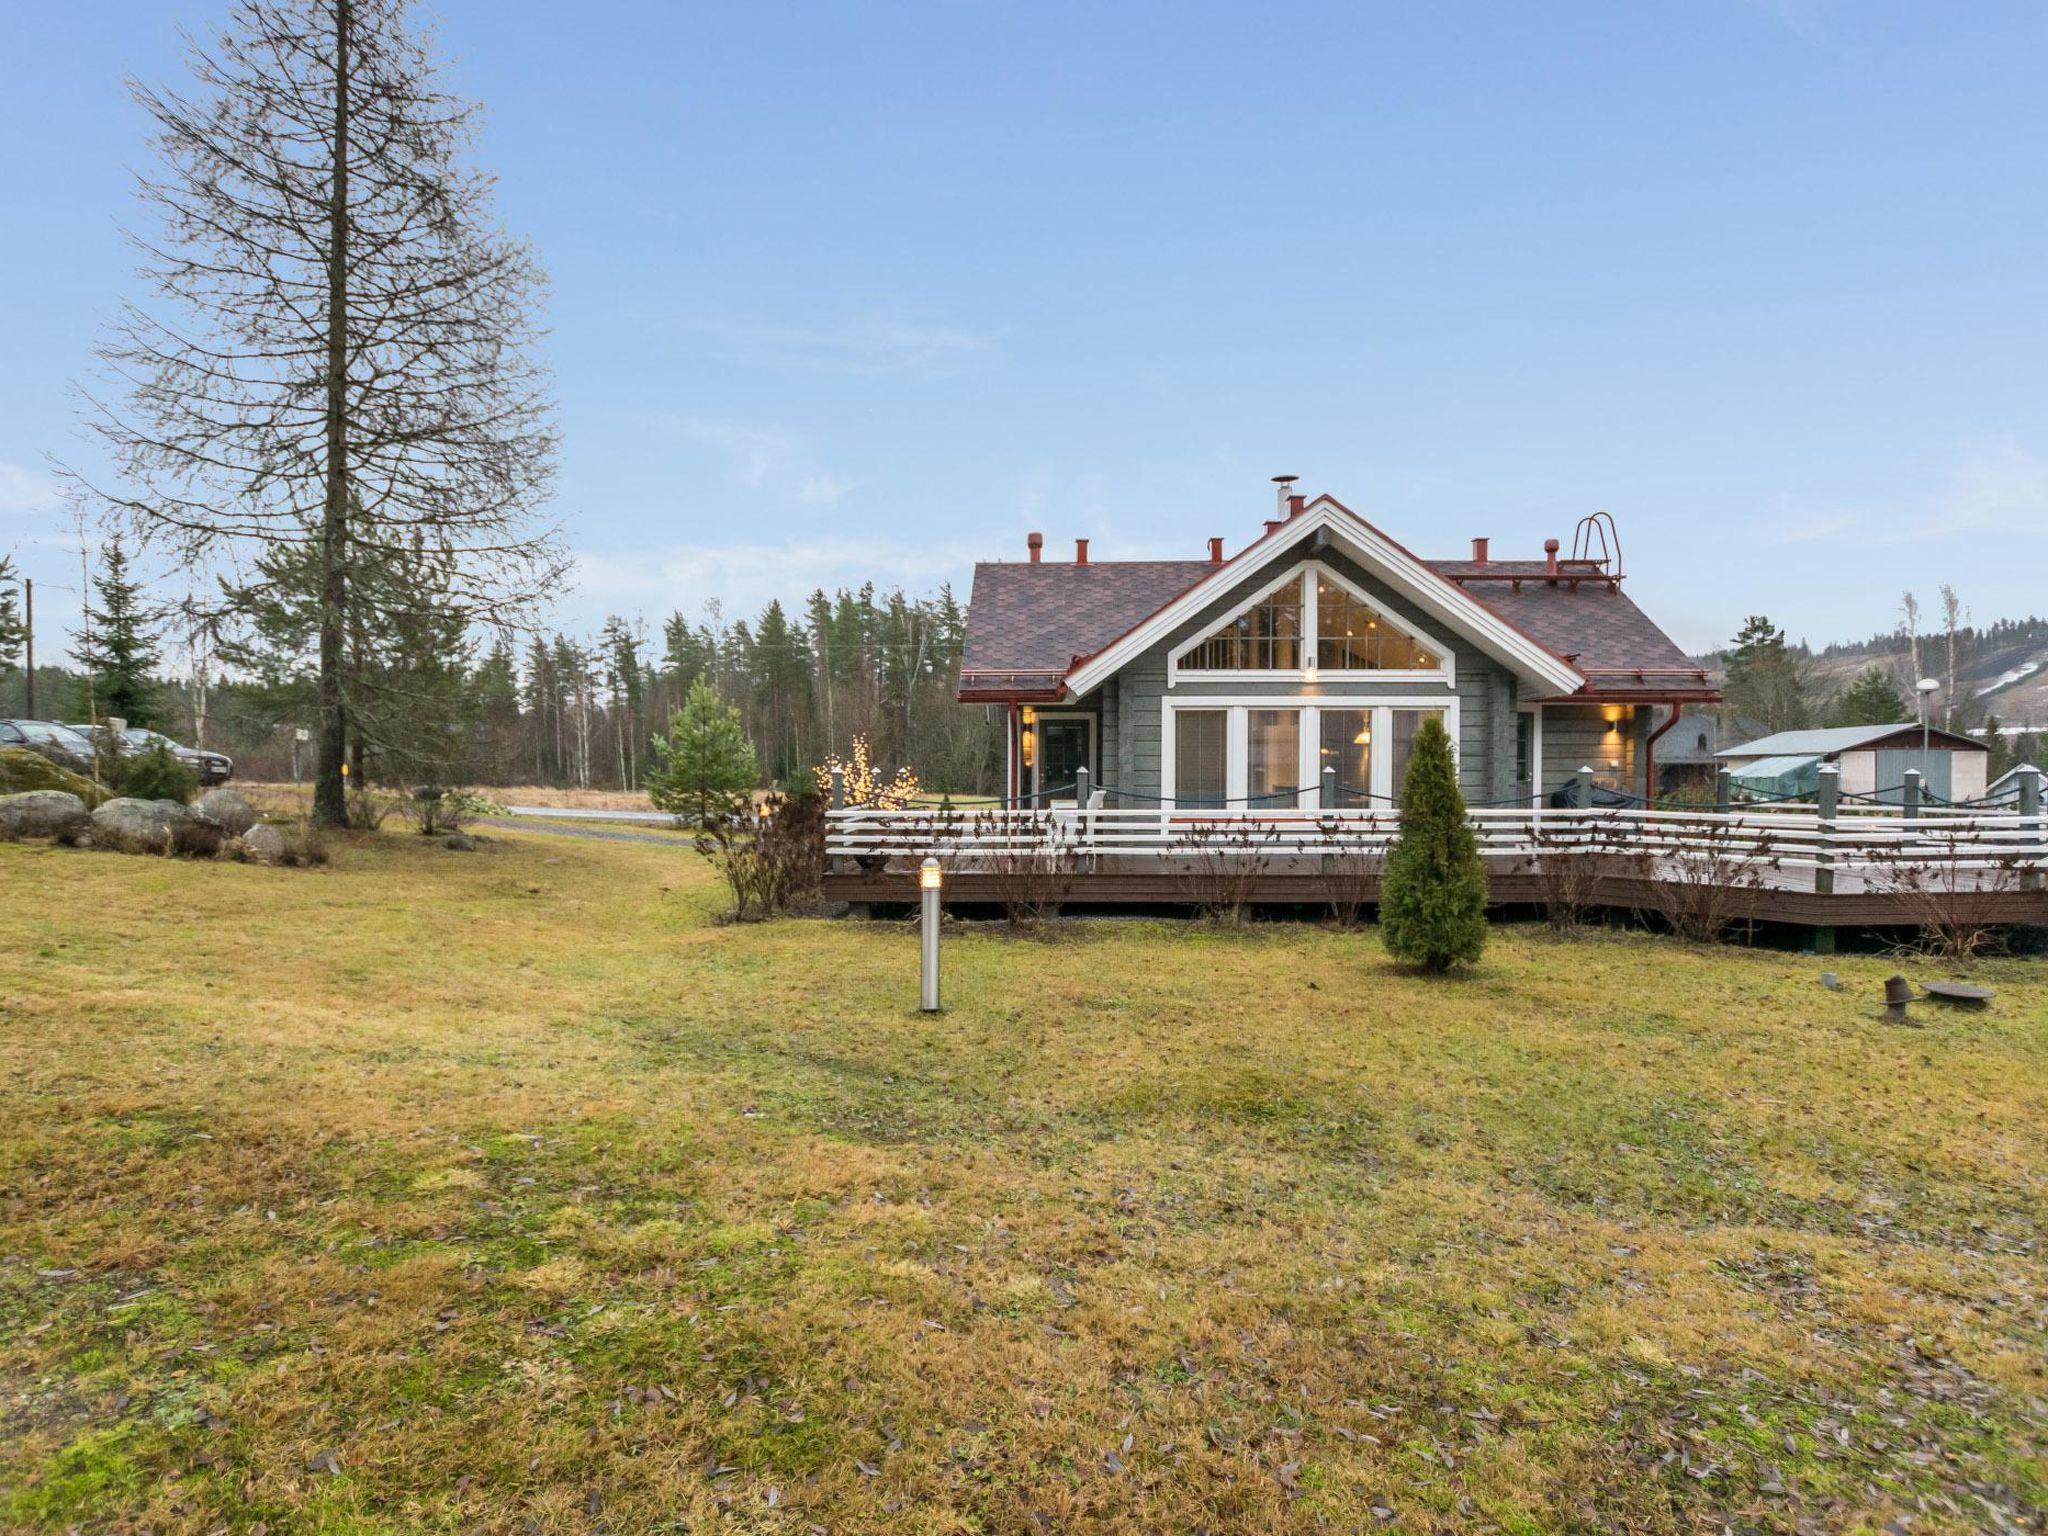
<point x="1409" y="577"/>
<point x="1445" y="673"/>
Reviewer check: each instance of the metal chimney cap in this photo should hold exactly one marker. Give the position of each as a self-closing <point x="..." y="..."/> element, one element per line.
<point x="1285" y="479"/>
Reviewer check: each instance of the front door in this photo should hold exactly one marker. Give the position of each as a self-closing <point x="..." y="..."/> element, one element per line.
<point x="1066" y="745"/>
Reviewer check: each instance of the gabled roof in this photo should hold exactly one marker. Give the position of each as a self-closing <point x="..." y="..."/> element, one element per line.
<point x="2011" y="776"/>
<point x="1037" y="628"/>
<point x="1828" y="740"/>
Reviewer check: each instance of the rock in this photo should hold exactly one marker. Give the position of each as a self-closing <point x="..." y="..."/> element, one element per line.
<point x="128" y="825"/>
<point x="40" y="813"/>
<point x="461" y="842"/>
<point x="22" y="770"/>
<point x="263" y="844"/>
<point x="226" y="809"/>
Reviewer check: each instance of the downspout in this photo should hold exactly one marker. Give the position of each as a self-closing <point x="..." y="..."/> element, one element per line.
<point x="1013" y="764"/>
<point x="1650" y="756"/>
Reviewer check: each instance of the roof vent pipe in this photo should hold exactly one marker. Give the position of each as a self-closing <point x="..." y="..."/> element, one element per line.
<point x="1479" y="551"/>
<point x="1035" y="543"/>
<point x="1080" y="551"/>
<point x="1215" y="551"/>
<point x="1550" y="557"/>
<point x="1284" y="484"/>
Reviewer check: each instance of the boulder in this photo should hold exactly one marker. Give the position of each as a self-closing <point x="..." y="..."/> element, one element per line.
<point x="40" y="813"/>
<point x="128" y="825"/>
<point x="226" y="809"/>
<point x="263" y="844"/>
<point x="22" y="771"/>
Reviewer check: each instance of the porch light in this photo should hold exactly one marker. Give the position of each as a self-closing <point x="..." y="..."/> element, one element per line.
<point x="930" y="878"/>
<point x="1363" y="738"/>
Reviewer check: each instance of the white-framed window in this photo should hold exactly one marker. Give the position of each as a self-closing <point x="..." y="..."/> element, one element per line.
<point x="1311" y="621"/>
<point x="1263" y="753"/>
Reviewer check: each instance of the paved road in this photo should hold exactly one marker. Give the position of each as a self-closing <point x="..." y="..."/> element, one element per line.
<point x="570" y="813"/>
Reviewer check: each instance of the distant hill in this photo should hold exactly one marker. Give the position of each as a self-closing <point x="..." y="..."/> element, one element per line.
<point x="2001" y="670"/>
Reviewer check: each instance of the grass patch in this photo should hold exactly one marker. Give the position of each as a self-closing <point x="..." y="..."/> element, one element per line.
<point x="537" y="1200"/>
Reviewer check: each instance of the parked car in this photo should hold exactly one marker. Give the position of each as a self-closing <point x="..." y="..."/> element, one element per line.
<point x="211" y="767"/>
<point x="59" y="743"/>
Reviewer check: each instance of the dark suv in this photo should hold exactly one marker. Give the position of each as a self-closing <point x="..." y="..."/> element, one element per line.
<point x="211" y="767"/>
<point x="59" y="743"/>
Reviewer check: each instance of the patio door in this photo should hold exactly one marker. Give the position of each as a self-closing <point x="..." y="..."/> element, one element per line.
<point x="1066" y="745"/>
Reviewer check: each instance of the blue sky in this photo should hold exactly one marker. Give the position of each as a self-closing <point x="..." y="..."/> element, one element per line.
<point x="850" y="291"/>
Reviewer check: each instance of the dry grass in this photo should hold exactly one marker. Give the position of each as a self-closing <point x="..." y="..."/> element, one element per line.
<point x="542" y="1203"/>
<point x="298" y="798"/>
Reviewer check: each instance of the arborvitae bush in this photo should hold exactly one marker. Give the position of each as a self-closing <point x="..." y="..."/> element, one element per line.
<point x="156" y="775"/>
<point x="1433" y="893"/>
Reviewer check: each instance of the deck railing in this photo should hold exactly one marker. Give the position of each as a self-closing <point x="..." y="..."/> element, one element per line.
<point x="1858" y="840"/>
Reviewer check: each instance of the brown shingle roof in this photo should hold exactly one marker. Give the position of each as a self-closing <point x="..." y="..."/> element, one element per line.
<point x="1027" y="622"/>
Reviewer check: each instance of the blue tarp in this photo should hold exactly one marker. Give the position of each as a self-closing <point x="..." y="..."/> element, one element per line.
<point x="1779" y="776"/>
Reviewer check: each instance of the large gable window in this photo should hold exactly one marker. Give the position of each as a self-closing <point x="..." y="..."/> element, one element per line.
<point x="1264" y="638"/>
<point x="1311" y="620"/>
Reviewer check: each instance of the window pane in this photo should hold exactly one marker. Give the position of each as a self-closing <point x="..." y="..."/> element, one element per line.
<point x="1347" y="747"/>
<point x="1198" y="758"/>
<point x="1273" y="773"/>
<point x="1350" y="636"/>
<point x="1264" y="638"/>
<point x="1403" y="726"/>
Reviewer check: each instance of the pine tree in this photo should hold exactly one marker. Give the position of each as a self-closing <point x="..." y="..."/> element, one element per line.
<point x="13" y="633"/>
<point x="1433" y="892"/>
<point x="117" y="646"/>
<point x="1871" y="700"/>
<point x="704" y="769"/>
<point x="1766" y="679"/>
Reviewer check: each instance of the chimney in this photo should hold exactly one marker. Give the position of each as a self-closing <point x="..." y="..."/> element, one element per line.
<point x="1272" y="523"/>
<point x="1550" y="557"/>
<point x="1215" y="551"/>
<point x="1284" y="484"/>
<point x="1080" y="551"/>
<point x="1295" y="504"/>
<point x="1036" y="542"/>
<point x="1479" y="551"/>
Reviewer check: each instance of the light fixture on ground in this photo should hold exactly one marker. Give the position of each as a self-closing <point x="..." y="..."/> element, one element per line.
<point x="930" y="880"/>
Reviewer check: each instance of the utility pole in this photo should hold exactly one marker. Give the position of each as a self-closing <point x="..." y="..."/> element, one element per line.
<point x="28" y="590"/>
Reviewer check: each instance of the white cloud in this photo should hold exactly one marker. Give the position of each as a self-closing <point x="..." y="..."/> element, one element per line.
<point x="770" y="460"/>
<point x="23" y="490"/>
<point x="742" y="577"/>
<point x="866" y="347"/>
<point x="1997" y="486"/>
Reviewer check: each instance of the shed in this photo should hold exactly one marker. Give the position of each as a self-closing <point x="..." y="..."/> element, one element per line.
<point x="1781" y="778"/>
<point x="1873" y="759"/>
<point x="2005" y="789"/>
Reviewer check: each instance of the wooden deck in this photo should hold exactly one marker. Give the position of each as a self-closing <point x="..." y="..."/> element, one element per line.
<point x="1859" y="867"/>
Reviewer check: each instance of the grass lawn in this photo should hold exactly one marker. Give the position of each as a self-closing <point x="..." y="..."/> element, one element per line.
<point x="508" y="1192"/>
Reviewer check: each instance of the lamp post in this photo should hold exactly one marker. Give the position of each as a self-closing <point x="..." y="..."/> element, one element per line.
<point x="1925" y="688"/>
<point x="930" y="879"/>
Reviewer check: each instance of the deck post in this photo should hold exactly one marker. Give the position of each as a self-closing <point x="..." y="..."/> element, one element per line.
<point x="838" y="788"/>
<point x="1582" y="800"/>
<point x="1913" y="794"/>
<point x="2030" y="806"/>
<point x="1085" y="818"/>
<point x="1724" y="788"/>
<point x="1828" y="797"/>
<point x="1329" y="788"/>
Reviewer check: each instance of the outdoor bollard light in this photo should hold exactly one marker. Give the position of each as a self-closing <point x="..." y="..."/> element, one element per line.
<point x="929" y="879"/>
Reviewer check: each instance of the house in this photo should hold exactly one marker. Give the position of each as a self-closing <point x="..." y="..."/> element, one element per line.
<point x="1233" y="682"/>
<point x="1873" y="760"/>
<point x="2005" y="790"/>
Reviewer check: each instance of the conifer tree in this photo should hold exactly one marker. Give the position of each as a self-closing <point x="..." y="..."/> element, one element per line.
<point x="1433" y="891"/>
<point x="1871" y="700"/>
<point x="117" y="646"/>
<point x="704" y="769"/>
<point x="13" y="632"/>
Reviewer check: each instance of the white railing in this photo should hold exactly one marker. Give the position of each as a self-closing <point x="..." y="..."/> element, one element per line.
<point x="1859" y="839"/>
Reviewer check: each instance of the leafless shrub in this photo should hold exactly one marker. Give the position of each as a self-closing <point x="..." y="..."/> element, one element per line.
<point x="1707" y="873"/>
<point x="305" y="844"/>
<point x="1352" y="873"/>
<point x="367" y="809"/>
<point x="1573" y="863"/>
<point x="194" y="839"/>
<point x="1223" y="864"/>
<point x="772" y="856"/>
<point x="1950" y="888"/>
<point x="435" y="812"/>
<point x="1031" y="863"/>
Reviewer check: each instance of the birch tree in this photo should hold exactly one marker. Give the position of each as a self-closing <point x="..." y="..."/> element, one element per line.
<point x="333" y="354"/>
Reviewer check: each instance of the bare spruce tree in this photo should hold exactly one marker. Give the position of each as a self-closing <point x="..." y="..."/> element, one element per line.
<point x="332" y="369"/>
